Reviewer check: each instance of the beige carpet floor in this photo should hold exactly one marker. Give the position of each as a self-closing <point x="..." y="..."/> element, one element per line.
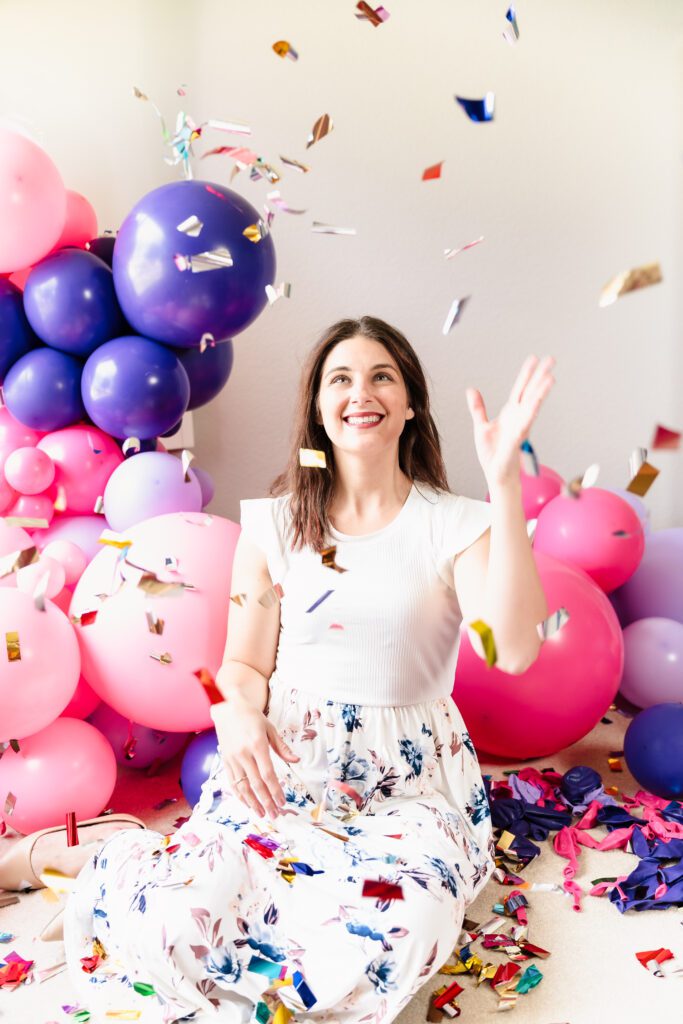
<point x="591" y="976"/>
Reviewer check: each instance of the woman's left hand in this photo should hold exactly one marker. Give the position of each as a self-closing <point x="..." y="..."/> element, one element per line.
<point x="498" y="441"/>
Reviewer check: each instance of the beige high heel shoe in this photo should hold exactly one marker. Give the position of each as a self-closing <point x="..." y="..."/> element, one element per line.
<point x="54" y="929"/>
<point x="16" y="868"/>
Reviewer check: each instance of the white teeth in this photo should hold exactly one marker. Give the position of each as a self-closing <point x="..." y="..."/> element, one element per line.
<point x="354" y="420"/>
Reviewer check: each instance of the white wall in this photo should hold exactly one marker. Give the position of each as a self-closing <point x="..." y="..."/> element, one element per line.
<point x="577" y="179"/>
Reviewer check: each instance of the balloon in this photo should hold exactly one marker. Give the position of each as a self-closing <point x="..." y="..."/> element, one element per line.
<point x="43" y="389"/>
<point x="13" y="538"/>
<point x="196" y="764"/>
<point x="84" y="531"/>
<point x="653" y="662"/>
<point x="80" y="224"/>
<point x="655" y="588"/>
<point x="597" y="532"/>
<point x="83" y="702"/>
<point x="653" y="749"/>
<point x="84" y="458"/>
<point x="150" y="484"/>
<point x="148" y="445"/>
<point x="32" y="576"/>
<point x="567" y="689"/>
<point x="67" y="766"/>
<point x="32" y="506"/>
<point x="35" y="687"/>
<point x="121" y="656"/>
<point x="206" y="483"/>
<point x="178" y="306"/>
<point x="537" y="491"/>
<point x="133" y="387"/>
<point x="70" y="302"/>
<point x="29" y="470"/>
<point x="72" y="559"/>
<point x="14" y="434"/>
<point x="16" y="336"/>
<point x="134" y="745"/>
<point x="208" y="370"/>
<point x="7" y="494"/>
<point x="32" y="202"/>
<point x="102" y="246"/>
<point x="636" y="503"/>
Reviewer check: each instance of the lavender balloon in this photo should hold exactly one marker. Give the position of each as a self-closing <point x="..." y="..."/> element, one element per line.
<point x="146" y="485"/>
<point x="653" y="662"/>
<point x="161" y="293"/>
<point x="196" y="764"/>
<point x="16" y="336"/>
<point x="134" y="387"/>
<point x="207" y="485"/>
<point x="135" y="745"/>
<point x="43" y="390"/>
<point x="655" y="588"/>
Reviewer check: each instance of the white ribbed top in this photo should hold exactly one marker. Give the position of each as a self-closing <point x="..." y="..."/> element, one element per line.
<point x="396" y="604"/>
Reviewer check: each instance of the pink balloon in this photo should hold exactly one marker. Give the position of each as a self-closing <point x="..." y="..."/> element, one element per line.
<point x="15" y="435"/>
<point x="37" y="686"/>
<point x="81" y="222"/>
<point x="67" y="766"/>
<point x="537" y="491"/>
<point x="32" y="506"/>
<point x="85" y="458"/>
<point x="32" y="202"/>
<point x="118" y="649"/>
<point x="83" y="702"/>
<point x="564" y="693"/>
<point x="83" y="531"/>
<point x="598" y="532"/>
<point x="72" y="558"/>
<point x="135" y="745"/>
<point x="29" y="470"/>
<point x="20" y="277"/>
<point x="31" y="577"/>
<point x="7" y="494"/>
<point x="13" y="538"/>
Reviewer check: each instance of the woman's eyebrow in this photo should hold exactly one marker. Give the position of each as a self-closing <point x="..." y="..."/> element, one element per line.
<point x="377" y="366"/>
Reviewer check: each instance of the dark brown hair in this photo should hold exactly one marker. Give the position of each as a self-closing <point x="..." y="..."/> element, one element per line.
<point x="419" y="450"/>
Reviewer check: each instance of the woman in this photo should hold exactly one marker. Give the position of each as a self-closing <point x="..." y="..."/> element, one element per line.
<point x="327" y="866"/>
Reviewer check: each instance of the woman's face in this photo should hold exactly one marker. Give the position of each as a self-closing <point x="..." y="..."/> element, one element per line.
<point x="362" y="399"/>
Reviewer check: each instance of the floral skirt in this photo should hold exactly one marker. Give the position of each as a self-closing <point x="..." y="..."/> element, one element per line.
<point x="339" y="910"/>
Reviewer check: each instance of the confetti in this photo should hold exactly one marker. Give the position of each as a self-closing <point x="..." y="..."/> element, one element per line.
<point x="209" y="683"/>
<point x="276" y="199"/>
<point x="131" y="444"/>
<point x="26" y="522"/>
<point x="143" y="988"/>
<point x="191" y="226"/>
<point x="13" y="646"/>
<point x="322" y="127"/>
<point x="255" y="232"/>
<point x="16" y="560"/>
<point x="511" y="31"/>
<point x="164" y="659"/>
<point x="454" y="313"/>
<point x="529" y="461"/>
<point x="478" y="110"/>
<point x="320" y="600"/>
<point x="214" y="259"/>
<point x="330" y="229"/>
<point x="284" y="49"/>
<point x="382" y="890"/>
<point x="283" y="291"/>
<point x="114" y="540"/>
<point x="239" y="599"/>
<point x="433" y="172"/>
<point x="271" y="596"/>
<point x="553" y="623"/>
<point x="642" y="473"/>
<point x="71" y="829"/>
<point x="186" y="458"/>
<point x="312" y="458"/>
<point x="235" y="127"/>
<point x="295" y="164"/>
<point x="615" y="764"/>
<point x="366" y="13"/>
<point x="329" y="556"/>
<point x="665" y="438"/>
<point x="154" y="623"/>
<point x="590" y="477"/>
<point x="57" y="881"/>
<point x="450" y="253"/>
<point x="98" y="507"/>
<point x="630" y="281"/>
<point x="485" y="634"/>
<point x="10" y="804"/>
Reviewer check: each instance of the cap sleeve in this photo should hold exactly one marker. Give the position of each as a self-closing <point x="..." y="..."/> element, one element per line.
<point x="262" y="522"/>
<point x="460" y="521"/>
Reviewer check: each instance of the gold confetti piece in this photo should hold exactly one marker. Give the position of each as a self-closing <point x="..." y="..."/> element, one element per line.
<point x="26" y="522"/>
<point x="329" y="229"/>
<point x="630" y="281"/>
<point x="154" y="623"/>
<point x="433" y="172"/>
<point x="57" y="881"/>
<point x="276" y="199"/>
<point x="151" y="584"/>
<point x="164" y="658"/>
<point x="284" y="49"/>
<point x="283" y="291"/>
<point x="615" y="764"/>
<point x="124" y="1014"/>
<point x="131" y="444"/>
<point x="366" y="13"/>
<point x="16" y="560"/>
<point x="98" y="508"/>
<point x="590" y="477"/>
<point x="113" y="539"/>
<point x="14" y="744"/>
<point x="13" y="646"/>
<point x="485" y="634"/>
<point x="643" y="474"/>
<point x="239" y="599"/>
<point x="271" y="596"/>
<point x="10" y="804"/>
<point x="553" y="623"/>
<point x="454" y="313"/>
<point x="60" y="500"/>
<point x="206" y="341"/>
<point x="186" y="458"/>
<point x="450" y="253"/>
<point x="665" y="438"/>
<point x="255" y="232"/>
<point x="214" y="259"/>
<point x="572" y="488"/>
<point x="295" y="164"/>
<point x="191" y="226"/>
<point x="329" y="556"/>
<point x="312" y="458"/>
<point x="322" y="127"/>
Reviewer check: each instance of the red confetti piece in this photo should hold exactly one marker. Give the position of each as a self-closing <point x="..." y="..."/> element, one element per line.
<point x="209" y="683"/>
<point x="452" y="992"/>
<point x="90" y="963"/>
<point x="71" y="829"/>
<point x="665" y="438"/>
<point x="659" y="955"/>
<point x="382" y="890"/>
<point x="433" y="172"/>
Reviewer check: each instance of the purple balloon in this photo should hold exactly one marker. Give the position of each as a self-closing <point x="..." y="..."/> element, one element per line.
<point x="134" y="387"/>
<point x="84" y="531"/>
<point x="178" y="306"/>
<point x="43" y="390"/>
<point x="653" y="662"/>
<point x="636" y="503"/>
<point x="655" y="588"/>
<point x="147" y="746"/>
<point x="70" y="302"/>
<point x="207" y="485"/>
<point x="653" y="749"/>
<point x="196" y="764"/>
<point x="16" y="336"/>
<point x="150" y="484"/>
<point x="208" y="370"/>
<point x="102" y="246"/>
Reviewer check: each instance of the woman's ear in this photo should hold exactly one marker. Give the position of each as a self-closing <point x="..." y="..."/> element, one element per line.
<point x="410" y="414"/>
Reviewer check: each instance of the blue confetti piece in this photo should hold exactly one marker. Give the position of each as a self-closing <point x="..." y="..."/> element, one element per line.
<point x="478" y="110"/>
<point x="320" y="601"/>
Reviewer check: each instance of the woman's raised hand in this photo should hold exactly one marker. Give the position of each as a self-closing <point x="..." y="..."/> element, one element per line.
<point x="245" y="737"/>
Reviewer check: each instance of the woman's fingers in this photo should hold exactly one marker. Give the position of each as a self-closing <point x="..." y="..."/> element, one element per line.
<point x="476" y="405"/>
<point x="523" y="378"/>
<point x="261" y="789"/>
<point x="240" y="784"/>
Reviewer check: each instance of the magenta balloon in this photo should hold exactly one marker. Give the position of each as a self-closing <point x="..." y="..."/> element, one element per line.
<point x="83" y="702"/>
<point x="567" y="689"/>
<point x="84" y="457"/>
<point x="537" y="491"/>
<point x="121" y="656"/>
<point x="655" y="589"/>
<point x="149" y="745"/>
<point x="35" y="688"/>
<point x="149" y="484"/>
<point x="84" y="531"/>
<point x="637" y="504"/>
<point x="14" y="434"/>
<point x="653" y="662"/>
<point x="29" y="470"/>
<point x="67" y="766"/>
<point x="597" y="532"/>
